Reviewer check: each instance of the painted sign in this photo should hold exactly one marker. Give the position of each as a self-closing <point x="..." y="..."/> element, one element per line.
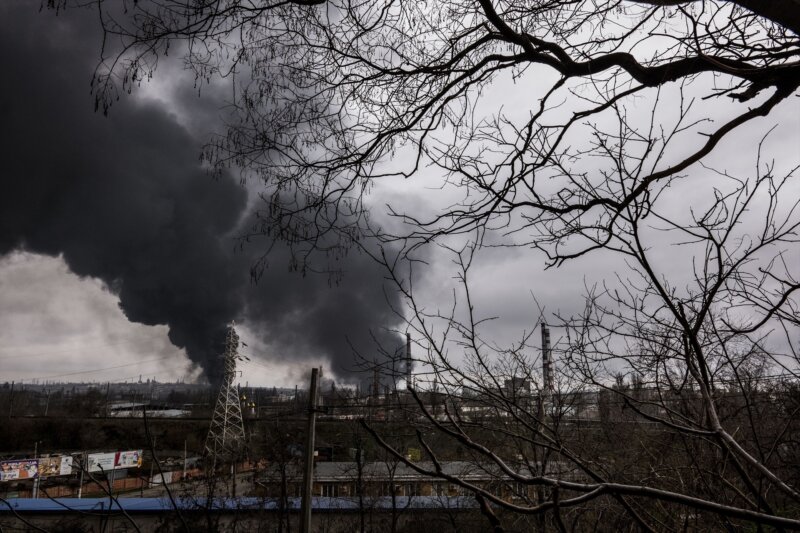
<point x="19" y="469"/>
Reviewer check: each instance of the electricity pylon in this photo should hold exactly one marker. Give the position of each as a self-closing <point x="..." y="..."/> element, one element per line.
<point x="225" y="440"/>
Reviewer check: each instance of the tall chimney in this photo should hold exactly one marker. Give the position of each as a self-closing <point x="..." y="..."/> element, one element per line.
<point x="547" y="360"/>
<point x="376" y="384"/>
<point x="409" y="363"/>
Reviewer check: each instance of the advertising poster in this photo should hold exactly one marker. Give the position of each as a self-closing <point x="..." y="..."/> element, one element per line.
<point x="19" y="469"/>
<point x="66" y="465"/>
<point x="55" y="466"/>
<point x="129" y="459"/>
<point x="105" y="462"/>
<point x="102" y="462"/>
<point x="49" y="466"/>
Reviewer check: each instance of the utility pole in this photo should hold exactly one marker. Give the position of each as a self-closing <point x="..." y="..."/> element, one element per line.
<point x="36" y="479"/>
<point x="233" y="479"/>
<point x="113" y="475"/>
<point x="308" y="475"/>
<point x="108" y="391"/>
<point x="150" y="482"/>
<point x="47" y="403"/>
<point x="84" y="464"/>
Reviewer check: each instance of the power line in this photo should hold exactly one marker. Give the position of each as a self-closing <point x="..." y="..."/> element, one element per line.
<point x="68" y="350"/>
<point x="95" y="370"/>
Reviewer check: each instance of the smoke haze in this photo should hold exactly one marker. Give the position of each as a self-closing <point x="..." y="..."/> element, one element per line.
<point x="124" y="199"/>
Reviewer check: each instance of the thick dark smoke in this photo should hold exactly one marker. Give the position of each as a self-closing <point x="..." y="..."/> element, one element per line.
<point x="124" y="199"/>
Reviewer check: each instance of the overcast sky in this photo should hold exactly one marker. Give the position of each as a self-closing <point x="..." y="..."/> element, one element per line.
<point x="119" y="256"/>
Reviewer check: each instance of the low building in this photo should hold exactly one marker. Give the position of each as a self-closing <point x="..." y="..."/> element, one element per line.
<point x="387" y="479"/>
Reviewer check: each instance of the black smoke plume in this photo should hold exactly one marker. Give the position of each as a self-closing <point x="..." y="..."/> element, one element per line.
<point x="124" y="199"/>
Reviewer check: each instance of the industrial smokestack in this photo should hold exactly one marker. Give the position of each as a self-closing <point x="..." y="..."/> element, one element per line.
<point x="547" y="360"/>
<point x="376" y="385"/>
<point x="409" y="363"/>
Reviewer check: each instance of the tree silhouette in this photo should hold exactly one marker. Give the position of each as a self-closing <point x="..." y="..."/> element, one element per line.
<point x="574" y="128"/>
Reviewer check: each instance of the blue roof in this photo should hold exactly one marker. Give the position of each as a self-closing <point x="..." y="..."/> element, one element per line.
<point x="151" y="505"/>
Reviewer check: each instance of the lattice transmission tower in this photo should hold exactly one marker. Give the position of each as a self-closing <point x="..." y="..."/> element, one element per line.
<point x="225" y="440"/>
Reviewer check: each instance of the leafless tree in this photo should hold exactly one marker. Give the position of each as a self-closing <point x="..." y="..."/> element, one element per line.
<point x="610" y="145"/>
<point x="325" y="92"/>
<point x="690" y="361"/>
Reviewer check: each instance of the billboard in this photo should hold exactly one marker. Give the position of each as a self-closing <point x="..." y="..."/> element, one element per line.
<point x="55" y="466"/>
<point x="101" y="462"/>
<point x="104" y="462"/>
<point x="129" y="459"/>
<point x="19" y="469"/>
